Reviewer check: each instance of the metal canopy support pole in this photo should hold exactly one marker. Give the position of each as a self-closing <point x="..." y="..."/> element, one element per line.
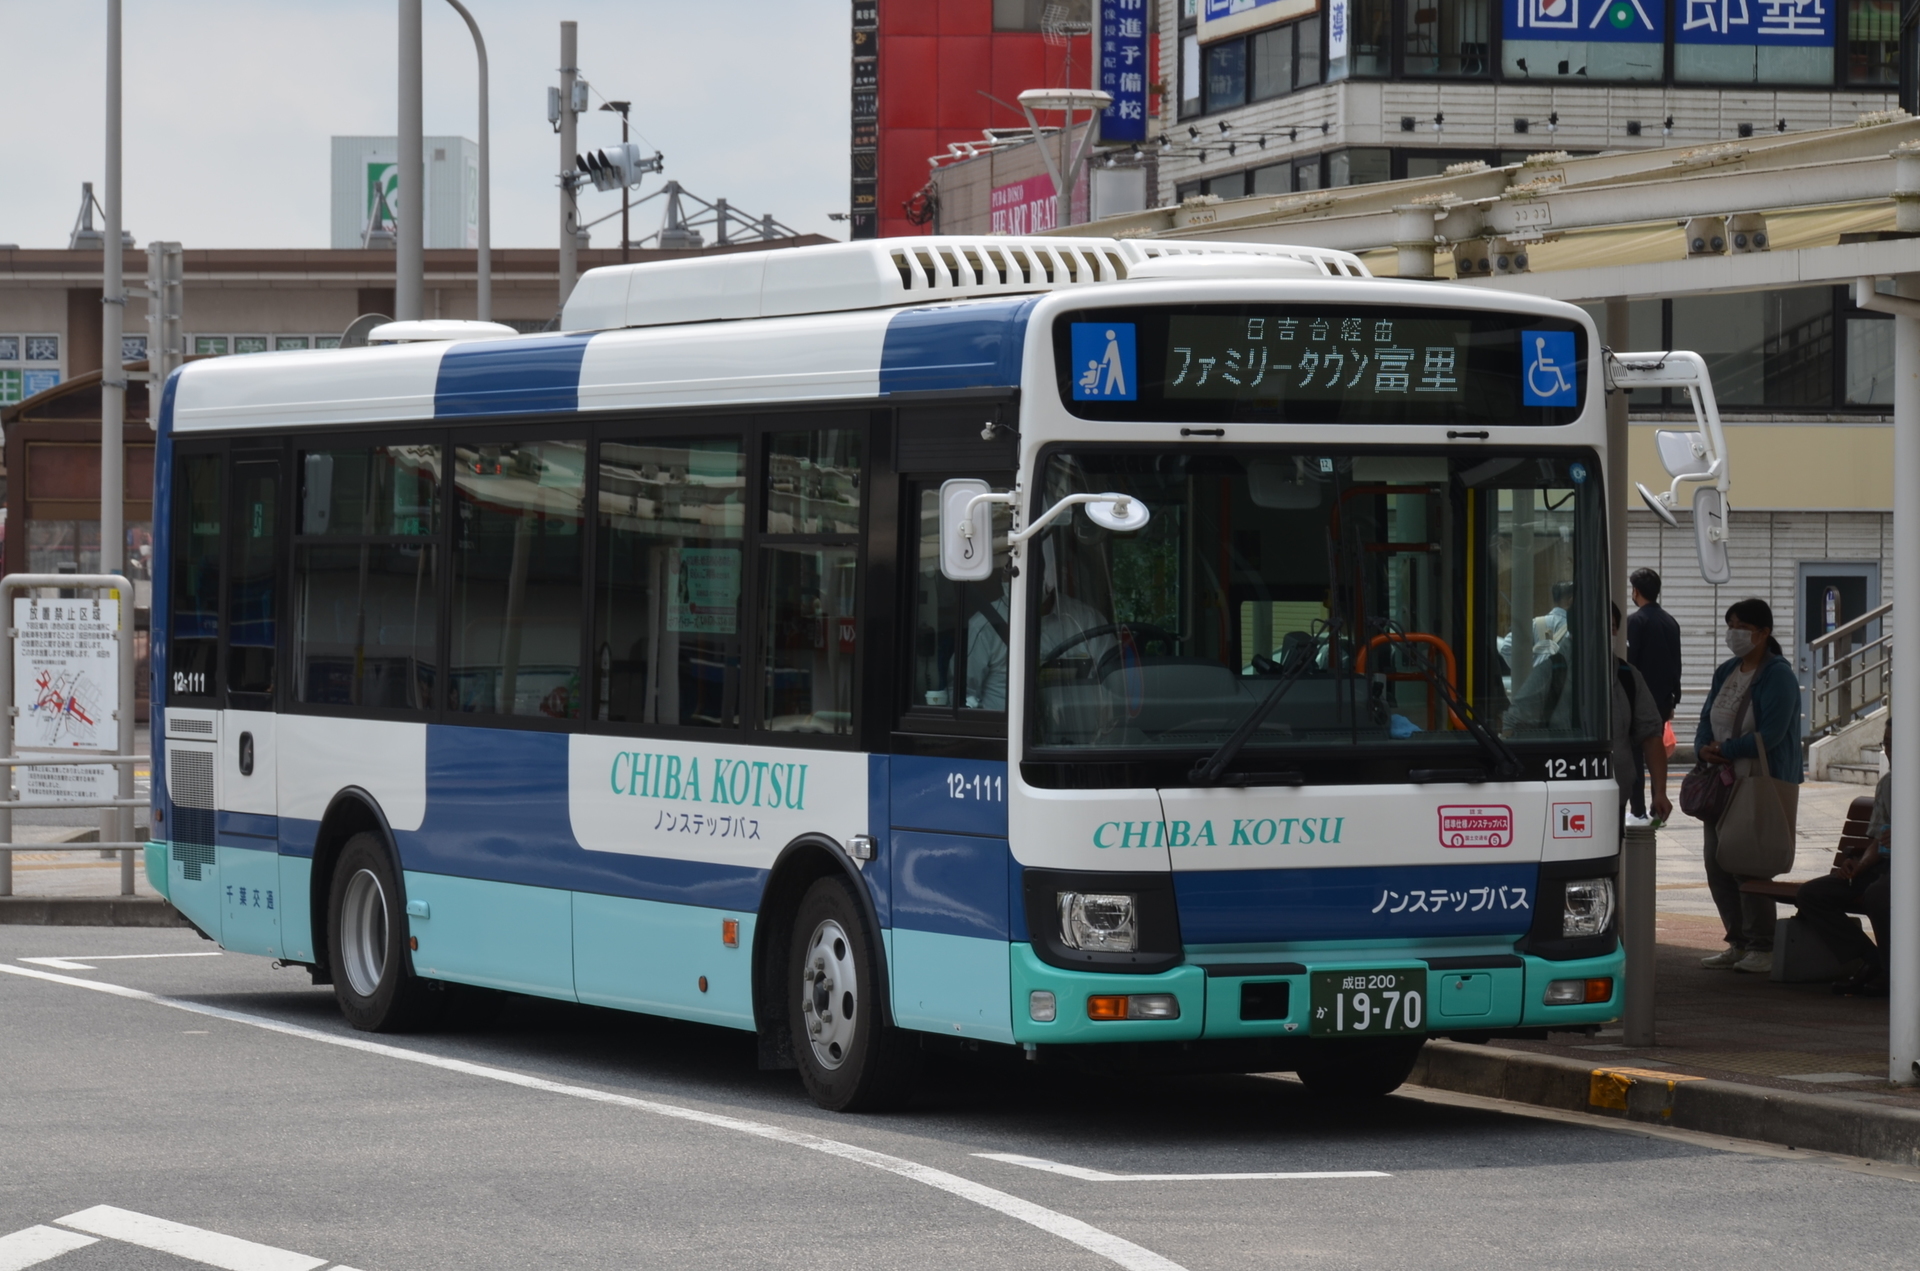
<point x="409" y="280"/>
<point x="113" y="419"/>
<point x="484" y="264"/>
<point x="1903" y="1013"/>
<point x="569" y="126"/>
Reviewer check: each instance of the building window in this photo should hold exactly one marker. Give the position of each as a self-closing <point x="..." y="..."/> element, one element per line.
<point x="1226" y="75"/>
<point x="1447" y="37"/>
<point x="1359" y="166"/>
<point x="1032" y="15"/>
<point x="1275" y="178"/>
<point x="1772" y="350"/>
<point x="1869" y="361"/>
<point x="1873" y="42"/>
<point x="1369" y="40"/>
<point x="1189" y="76"/>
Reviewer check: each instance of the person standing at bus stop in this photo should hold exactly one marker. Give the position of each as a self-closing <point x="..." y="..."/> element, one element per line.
<point x="1653" y="647"/>
<point x="1757" y="675"/>
<point x="1639" y="741"/>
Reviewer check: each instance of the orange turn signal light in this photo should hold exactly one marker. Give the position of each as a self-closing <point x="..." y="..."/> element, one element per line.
<point x="1600" y="990"/>
<point x="730" y="932"/>
<point x="1107" y="1007"/>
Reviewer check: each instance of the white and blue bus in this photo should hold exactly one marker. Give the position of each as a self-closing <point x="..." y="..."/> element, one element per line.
<point x="1187" y="655"/>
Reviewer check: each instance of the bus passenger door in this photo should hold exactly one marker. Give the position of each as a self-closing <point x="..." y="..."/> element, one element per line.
<point x="253" y="892"/>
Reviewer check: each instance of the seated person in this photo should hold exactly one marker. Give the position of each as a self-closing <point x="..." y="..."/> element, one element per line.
<point x="1859" y="884"/>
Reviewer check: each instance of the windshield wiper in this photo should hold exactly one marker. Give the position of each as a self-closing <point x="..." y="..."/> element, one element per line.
<point x="1506" y="765"/>
<point x="1210" y="770"/>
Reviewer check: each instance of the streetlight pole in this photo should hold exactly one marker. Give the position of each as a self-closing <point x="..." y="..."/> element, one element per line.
<point x="484" y="262"/>
<point x="116" y="824"/>
<point x="569" y="127"/>
<point x="626" y="192"/>
<point x="409" y="279"/>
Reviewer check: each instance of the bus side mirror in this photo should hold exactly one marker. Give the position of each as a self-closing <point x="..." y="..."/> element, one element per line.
<point x="966" y="530"/>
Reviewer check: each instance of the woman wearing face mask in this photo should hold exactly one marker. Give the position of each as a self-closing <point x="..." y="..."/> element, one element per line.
<point x="1757" y="673"/>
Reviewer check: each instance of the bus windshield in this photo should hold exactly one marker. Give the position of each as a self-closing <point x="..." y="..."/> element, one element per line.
<point x="1359" y="575"/>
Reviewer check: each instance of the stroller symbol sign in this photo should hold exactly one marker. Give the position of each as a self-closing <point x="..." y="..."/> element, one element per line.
<point x="1103" y="362"/>
<point x="1551" y="378"/>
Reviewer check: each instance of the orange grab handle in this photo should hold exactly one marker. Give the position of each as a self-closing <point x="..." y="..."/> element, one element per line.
<point x="1446" y="654"/>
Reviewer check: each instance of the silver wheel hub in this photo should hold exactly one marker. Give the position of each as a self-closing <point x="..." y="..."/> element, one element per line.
<point x="363" y="932"/>
<point x="829" y="994"/>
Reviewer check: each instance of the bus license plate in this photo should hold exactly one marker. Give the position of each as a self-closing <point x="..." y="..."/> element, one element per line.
<point x="1368" y="1003"/>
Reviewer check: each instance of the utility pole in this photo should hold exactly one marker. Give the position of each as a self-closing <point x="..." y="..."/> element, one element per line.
<point x="484" y="262"/>
<point x="409" y="279"/>
<point x="116" y="824"/>
<point x="626" y="192"/>
<point x="569" y="129"/>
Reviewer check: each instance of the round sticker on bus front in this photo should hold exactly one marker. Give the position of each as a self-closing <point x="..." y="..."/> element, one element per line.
<point x="1476" y="825"/>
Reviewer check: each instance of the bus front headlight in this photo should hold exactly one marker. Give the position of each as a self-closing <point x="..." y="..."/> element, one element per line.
<point x="1589" y="907"/>
<point x="1099" y="922"/>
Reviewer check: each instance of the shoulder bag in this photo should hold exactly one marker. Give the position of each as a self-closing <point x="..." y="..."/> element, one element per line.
<point x="1755" y="835"/>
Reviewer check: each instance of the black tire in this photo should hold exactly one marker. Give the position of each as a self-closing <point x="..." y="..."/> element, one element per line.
<point x="850" y="1058"/>
<point x="373" y="977"/>
<point x="1360" y="1069"/>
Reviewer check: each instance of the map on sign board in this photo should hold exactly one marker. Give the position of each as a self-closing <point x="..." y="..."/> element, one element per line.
<point x="66" y="689"/>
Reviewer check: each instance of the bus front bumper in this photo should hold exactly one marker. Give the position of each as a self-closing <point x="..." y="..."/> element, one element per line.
<point x="1463" y="1000"/>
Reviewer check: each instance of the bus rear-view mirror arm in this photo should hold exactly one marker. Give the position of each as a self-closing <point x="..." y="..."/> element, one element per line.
<point x="966" y="525"/>
<point x="1698" y="457"/>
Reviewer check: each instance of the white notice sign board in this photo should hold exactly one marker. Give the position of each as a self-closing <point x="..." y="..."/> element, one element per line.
<point x="66" y="689"/>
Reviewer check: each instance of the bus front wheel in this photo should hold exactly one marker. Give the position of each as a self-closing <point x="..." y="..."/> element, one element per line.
<point x="850" y="1058"/>
<point x="372" y="977"/>
<point x="1360" y="1069"/>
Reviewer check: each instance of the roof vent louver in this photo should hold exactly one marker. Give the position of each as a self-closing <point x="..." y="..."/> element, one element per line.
<point x="843" y="277"/>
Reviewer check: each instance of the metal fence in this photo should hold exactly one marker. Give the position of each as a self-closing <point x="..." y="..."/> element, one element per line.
<point x="1852" y="671"/>
<point x="116" y="818"/>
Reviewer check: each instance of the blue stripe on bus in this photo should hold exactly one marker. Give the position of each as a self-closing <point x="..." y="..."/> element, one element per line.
<point x="954" y="347"/>
<point x="879" y="871"/>
<point x="950" y="883"/>
<point x="510" y="377"/>
<point x="497" y="810"/>
<point x="950" y="796"/>
<point x="1258" y="906"/>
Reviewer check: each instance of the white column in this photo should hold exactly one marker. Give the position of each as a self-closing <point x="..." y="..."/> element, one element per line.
<point x="1903" y="1014"/>
<point x="116" y="824"/>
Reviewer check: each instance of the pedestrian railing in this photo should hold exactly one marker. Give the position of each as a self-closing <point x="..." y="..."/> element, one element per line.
<point x="1852" y="670"/>
<point x="58" y="694"/>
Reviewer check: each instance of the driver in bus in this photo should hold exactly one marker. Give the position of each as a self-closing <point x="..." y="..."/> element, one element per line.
<point x="1061" y="619"/>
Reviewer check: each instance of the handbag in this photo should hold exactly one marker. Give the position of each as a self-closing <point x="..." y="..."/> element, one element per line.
<point x="1704" y="791"/>
<point x="1756" y="838"/>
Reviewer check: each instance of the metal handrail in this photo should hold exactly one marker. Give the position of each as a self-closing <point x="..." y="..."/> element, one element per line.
<point x="1847" y="628"/>
<point x="1850" y="676"/>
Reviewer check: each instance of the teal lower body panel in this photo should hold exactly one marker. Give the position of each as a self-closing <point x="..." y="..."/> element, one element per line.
<point x="296" y="908"/>
<point x="193" y="885"/>
<point x="496" y="935"/>
<point x="955" y="985"/>
<point x="155" y="860"/>
<point x="664" y="959"/>
<point x="250" y="898"/>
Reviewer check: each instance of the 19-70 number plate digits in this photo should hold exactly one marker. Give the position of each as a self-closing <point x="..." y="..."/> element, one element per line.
<point x="1368" y="1003"/>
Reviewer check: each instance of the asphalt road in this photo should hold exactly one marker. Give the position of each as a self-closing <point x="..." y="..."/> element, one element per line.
<point x="219" y="1093"/>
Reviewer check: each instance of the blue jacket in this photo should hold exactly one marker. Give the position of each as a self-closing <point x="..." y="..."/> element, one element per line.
<point x="1776" y="713"/>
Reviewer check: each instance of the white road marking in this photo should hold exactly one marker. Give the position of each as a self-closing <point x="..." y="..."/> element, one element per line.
<point x="230" y="1253"/>
<point x="78" y="961"/>
<point x="35" y="1245"/>
<point x="1115" y="1249"/>
<point x="1101" y="1176"/>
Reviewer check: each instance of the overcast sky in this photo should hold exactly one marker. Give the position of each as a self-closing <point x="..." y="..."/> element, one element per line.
<point x="230" y="104"/>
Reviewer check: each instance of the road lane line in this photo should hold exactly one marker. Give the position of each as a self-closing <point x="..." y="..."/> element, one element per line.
<point x="1115" y="1249"/>
<point x="34" y="1245"/>
<point x="78" y="961"/>
<point x="1101" y="1176"/>
<point x="196" y="1244"/>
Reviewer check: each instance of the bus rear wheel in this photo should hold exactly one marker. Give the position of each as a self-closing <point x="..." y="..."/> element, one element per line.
<point x="1360" y="1069"/>
<point x="850" y="1058"/>
<point x="373" y="977"/>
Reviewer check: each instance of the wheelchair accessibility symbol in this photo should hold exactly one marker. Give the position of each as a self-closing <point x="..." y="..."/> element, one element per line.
<point x="1552" y="379"/>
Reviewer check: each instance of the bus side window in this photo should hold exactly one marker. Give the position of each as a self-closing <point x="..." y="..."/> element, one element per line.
<point x="253" y="585"/>
<point x="666" y="640"/>
<point x="193" y="625"/>
<point x="809" y="604"/>
<point x="959" y="632"/>
<point x="517" y="564"/>
<point x="366" y="584"/>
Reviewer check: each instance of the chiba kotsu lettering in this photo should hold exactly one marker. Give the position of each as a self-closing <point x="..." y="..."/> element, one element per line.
<point x="1247" y="831"/>
<point x="746" y="783"/>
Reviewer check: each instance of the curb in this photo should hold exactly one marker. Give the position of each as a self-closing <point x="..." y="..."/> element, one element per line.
<point x="89" y="911"/>
<point x="1813" y="1122"/>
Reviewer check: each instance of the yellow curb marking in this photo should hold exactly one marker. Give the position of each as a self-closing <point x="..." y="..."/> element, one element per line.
<point x="1609" y="1086"/>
